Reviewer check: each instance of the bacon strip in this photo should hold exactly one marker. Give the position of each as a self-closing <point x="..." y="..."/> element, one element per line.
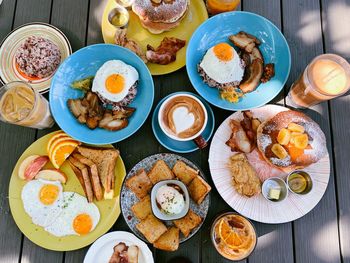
<point x="166" y="52"/>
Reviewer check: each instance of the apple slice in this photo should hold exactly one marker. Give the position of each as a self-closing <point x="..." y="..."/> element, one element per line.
<point x="25" y="163"/>
<point x="34" y="167"/>
<point x="52" y="175"/>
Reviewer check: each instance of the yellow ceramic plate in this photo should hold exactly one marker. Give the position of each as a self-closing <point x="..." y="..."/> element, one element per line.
<point x="109" y="209"/>
<point x="195" y="16"/>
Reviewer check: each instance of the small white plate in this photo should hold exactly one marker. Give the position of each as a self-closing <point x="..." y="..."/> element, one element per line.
<point x="102" y="250"/>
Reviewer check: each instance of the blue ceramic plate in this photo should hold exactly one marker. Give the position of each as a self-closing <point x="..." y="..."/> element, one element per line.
<point x="178" y="146"/>
<point x="274" y="48"/>
<point x="83" y="63"/>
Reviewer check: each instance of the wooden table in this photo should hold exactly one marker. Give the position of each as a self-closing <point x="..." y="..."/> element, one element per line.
<point x="311" y="27"/>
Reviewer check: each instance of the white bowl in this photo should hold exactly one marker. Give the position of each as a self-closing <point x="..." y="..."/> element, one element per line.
<point x="157" y="211"/>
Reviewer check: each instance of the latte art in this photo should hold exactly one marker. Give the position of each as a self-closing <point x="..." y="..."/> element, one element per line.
<point x="183" y="117"/>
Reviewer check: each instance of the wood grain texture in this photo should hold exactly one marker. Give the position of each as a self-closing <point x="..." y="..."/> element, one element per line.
<point x="318" y="229"/>
<point x="36" y="10"/>
<point x="7" y="11"/>
<point x="337" y="40"/>
<point x="283" y="247"/>
<point x="11" y="148"/>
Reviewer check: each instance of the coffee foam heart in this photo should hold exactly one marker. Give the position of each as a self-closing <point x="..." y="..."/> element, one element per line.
<point x="183" y="119"/>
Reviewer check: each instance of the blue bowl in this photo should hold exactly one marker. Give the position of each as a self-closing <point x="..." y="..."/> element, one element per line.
<point x="274" y="48"/>
<point x="83" y="63"/>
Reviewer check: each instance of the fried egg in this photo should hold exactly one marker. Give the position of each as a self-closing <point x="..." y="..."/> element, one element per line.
<point x="114" y="79"/>
<point x="42" y="201"/>
<point x="222" y="64"/>
<point x="78" y="217"/>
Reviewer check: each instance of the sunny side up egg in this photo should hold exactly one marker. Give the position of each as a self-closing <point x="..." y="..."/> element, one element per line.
<point x="42" y="201"/>
<point x="114" y="79"/>
<point x="223" y="64"/>
<point x="78" y="217"/>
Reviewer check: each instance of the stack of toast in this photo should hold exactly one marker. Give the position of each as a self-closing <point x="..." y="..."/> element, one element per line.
<point x="94" y="168"/>
<point x="154" y="230"/>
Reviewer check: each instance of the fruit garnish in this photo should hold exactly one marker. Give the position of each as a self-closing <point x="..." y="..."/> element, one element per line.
<point x="61" y="152"/>
<point x="60" y="134"/>
<point x="255" y="124"/>
<point x="294" y="152"/>
<point x="229" y="235"/>
<point x="283" y="137"/>
<point x="301" y="141"/>
<point x="292" y="136"/>
<point x="296" y="127"/>
<point x="279" y="151"/>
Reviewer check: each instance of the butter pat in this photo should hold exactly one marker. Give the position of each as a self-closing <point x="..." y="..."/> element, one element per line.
<point x="274" y="194"/>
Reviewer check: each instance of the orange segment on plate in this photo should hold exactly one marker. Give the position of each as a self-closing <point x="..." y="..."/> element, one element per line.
<point x="59" y="134"/>
<point x="61" y="152"/>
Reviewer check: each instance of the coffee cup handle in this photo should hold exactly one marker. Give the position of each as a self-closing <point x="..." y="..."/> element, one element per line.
<point x="200" y="142"/>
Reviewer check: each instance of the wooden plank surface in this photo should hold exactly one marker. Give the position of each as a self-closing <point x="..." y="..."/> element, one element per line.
<point x="314" y="238"/>
<point x="318" y="229"/>
<point x="275" y="242"/>
<point x="336" y="21"/>
<point x="10" y="150"/>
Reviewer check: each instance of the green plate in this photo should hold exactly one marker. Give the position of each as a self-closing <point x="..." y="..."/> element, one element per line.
<point x="109" y="209"/>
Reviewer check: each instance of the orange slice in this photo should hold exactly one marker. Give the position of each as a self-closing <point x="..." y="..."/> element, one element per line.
<point x="53" y="139"/>
<point x="230" y="235"/>
<point x="58" y="141"/>
<point x="61" y="152"/>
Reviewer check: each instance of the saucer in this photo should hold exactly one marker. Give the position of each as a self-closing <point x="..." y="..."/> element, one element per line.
<point x="178" y="146"/>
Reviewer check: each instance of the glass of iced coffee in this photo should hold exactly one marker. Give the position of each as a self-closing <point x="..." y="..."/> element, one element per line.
<point x="325" y="78"/>
<point x="20" y="104"/>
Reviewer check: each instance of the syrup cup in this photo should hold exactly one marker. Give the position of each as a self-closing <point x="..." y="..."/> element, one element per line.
<point x="197" y="138"/>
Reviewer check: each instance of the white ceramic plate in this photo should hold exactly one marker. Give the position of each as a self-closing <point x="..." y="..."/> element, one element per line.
<point x="102" y="250"/>
<point x="257" y="207"/>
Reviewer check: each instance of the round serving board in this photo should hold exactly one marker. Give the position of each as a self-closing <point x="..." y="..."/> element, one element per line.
<point x="257" y="207"/>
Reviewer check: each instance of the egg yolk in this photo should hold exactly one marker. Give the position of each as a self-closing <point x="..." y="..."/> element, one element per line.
<point x="115" y="83"/>
<point x="48" y="194"/>
<point x="82" y="224"/>
<point x="223" y="51"/>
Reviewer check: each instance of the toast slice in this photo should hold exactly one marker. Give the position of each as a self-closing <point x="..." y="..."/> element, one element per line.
<point x="81" y="172"/>
<point x="142" y="208"/>
<point x="95" y="179"/>
<point x="152" y="228"/>
<point x="160" y="171"/>
<point x="188" y="223"/>
<point x="105" y="159"/>
<point x="140" y="184"/>
<point x="169" y="241"/>
<point x="184" y="172"/>
<point x="198" y="189"/>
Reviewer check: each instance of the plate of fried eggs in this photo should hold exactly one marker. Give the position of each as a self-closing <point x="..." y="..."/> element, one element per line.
<point x="121" y="80"/>
<point x="56" y="215"/>
<point x="214" y="63"/>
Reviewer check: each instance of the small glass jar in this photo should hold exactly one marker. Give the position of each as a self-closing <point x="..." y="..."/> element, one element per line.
<point x="219" y="6"/>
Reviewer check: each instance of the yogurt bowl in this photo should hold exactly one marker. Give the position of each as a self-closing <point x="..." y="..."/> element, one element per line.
<point x="170" y="200"/>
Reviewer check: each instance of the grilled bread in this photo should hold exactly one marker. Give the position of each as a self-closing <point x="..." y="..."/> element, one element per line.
<point x="105" y="159"/>
<point x="160" y="171"/>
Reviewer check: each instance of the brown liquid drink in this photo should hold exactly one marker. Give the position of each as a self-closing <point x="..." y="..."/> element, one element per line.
<point x="20" y="104"/>
<point x="325" y="78"/>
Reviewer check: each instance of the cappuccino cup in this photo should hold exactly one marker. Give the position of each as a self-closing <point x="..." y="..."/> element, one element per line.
<point x="183" y="117"/>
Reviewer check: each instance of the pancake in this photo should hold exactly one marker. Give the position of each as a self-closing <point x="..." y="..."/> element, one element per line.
<point x="267" y="136"/>
<point x="161" y="17"/>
